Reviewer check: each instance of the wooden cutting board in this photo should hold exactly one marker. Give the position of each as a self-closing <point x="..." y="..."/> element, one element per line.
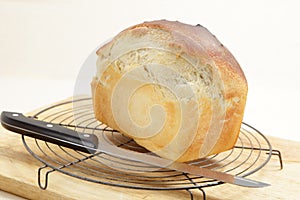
<point x="18" y="175"/>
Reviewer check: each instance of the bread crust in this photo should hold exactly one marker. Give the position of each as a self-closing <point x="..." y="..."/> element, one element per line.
<point x="196" y="42"/>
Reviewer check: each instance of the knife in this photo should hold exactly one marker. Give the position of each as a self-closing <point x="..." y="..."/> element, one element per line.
<point x="89" y="143"/>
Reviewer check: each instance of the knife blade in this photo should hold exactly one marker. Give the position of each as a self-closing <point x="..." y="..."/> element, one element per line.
<point x="89" y="143"/>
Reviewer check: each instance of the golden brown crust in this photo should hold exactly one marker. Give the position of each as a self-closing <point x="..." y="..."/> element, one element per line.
<point x="214" y="47"/>
<point x="195" y="41"/>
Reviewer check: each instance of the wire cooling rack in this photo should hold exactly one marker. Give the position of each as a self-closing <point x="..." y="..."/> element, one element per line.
<point x="250" y="154"/>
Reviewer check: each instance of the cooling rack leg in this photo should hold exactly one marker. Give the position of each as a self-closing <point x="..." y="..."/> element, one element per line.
<point x="203" y="193"/>
<point x="192" y="196"/>
<point x="278" y="153"/>
<point x="189" y="191"/>
<point x="45" y="185"/>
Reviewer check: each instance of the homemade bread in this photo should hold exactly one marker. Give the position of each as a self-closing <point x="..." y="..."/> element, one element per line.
<point x="172" y="87"/>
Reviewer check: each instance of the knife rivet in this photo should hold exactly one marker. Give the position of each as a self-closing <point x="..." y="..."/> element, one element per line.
<point x="49" y="125"/>
<point x="15" y="114"/>
<point x="86" y="135"/>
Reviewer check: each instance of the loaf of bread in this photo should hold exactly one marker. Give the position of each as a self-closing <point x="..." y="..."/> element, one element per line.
<point x="172" y="87"/>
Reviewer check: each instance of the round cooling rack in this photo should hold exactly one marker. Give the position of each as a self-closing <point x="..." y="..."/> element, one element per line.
<point x="250" y="154"/>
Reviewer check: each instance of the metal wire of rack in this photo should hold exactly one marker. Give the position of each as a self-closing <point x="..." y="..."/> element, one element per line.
<point x="250" y="154"/>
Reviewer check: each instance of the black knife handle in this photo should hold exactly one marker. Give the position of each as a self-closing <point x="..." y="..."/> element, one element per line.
<point x="49" y="132"/>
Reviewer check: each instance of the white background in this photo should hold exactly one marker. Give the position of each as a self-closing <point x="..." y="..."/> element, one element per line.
<point x="44" y="43"/>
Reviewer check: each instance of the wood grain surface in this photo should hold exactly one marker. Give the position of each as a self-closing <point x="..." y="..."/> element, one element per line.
<point x="18" y="175"/>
